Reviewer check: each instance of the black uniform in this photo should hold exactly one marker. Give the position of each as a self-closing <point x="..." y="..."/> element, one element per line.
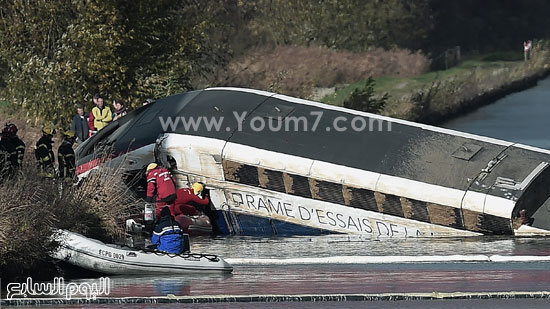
<point x="8" y="158"/>
<point x="44" y="155"/>
<point x="20" y="148"/>
<point x="66" y="160"/>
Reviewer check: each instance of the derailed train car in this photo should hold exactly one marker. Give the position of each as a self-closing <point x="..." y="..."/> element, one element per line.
<point x="278" y="165"/>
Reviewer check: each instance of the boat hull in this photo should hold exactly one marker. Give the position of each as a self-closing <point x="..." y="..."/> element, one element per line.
<point x="94" y="255"/>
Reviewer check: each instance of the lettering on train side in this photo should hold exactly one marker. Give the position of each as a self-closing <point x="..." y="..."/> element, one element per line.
<point x="320" y="216"/>
<point x="261" y="204"/>
<point x="331" y="220"/>
<point x="367" y="226"/>
<point x="271" y="206"/>
<point x="288" y="210"/>
<point x="304" y="213"/>
<point x="250" y="201"/>
<point x="339" y="218"/>
<point x="384" y="230"/>
<point x="393" y="229"/>
<point x="276" y="209"/>
<point x="237" y="198"/>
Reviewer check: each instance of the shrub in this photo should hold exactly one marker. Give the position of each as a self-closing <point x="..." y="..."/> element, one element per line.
<point x="296" y="70"/>
<point x="32" y="207"/>
<point x="364" y="99"/>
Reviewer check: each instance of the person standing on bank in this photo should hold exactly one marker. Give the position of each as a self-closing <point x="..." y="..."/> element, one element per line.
<point x="66" y="157"/>
<point x="80" y="124"/>
<point x="44" y="152"/>
<point x="8" y="156"/>
<point x="120" y="110"/>
<point x="91" y="117"/>
<point x="102" y="114"/>
<point x="11" y="135"/>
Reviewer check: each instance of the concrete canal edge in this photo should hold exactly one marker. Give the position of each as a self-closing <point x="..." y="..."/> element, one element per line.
<point x="275" y="298"/>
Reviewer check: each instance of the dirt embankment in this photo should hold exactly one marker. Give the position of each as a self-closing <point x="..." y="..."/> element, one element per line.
<point x="297" y="70"/>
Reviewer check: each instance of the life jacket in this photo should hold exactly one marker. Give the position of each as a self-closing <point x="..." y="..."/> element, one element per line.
<point x="187" y="200"/>
<point x="168" y="236"/>
<point x="161" y="182"/>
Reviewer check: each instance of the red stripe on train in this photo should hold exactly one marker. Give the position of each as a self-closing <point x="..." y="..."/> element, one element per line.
<point x="83" y="168"/>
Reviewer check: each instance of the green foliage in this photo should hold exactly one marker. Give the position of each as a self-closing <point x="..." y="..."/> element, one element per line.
<point x="56" y="54"/>
<point x="364" y="99"/>
<point x="344" y="24"/>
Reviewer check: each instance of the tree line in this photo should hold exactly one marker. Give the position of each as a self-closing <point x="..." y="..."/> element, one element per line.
<point x="56" y="54"/>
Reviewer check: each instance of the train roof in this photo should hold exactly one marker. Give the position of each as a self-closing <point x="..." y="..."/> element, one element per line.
<point x="388" y="146"/>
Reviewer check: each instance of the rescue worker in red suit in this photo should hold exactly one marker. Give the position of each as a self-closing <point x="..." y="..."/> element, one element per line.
<point x="188" y="198"/>
<point x="161" y="187"/>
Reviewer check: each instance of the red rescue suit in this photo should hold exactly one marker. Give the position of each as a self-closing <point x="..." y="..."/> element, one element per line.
<point x="184" y="198"/>
<point x="161" y="183"/>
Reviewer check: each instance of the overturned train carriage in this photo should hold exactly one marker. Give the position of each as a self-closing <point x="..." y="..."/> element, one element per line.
<point x="281" y="165"/>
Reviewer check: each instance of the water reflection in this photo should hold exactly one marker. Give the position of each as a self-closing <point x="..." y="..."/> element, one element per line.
<point x="345" y="279"/>
<point x="357" y="245"/>
<point x="318" y="277"/>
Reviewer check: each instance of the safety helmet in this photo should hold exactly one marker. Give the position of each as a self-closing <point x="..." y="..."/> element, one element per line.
<point x="69" y="134"/>
<point x="151" y="166"/>
<point x="6" y="131"/>
<point x="9" y="130"/>
<point x="197" y="187"/>
<point x="48" y="130"/>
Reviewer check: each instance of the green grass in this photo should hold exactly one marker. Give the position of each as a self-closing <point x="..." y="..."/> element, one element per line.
<point x="6" y="108"/>
<point x="398" y="87"/>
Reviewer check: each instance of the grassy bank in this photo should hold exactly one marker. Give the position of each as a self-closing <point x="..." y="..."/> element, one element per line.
<point x="297" y="70"/>
<point x="435" y="96"/>
<point x="31" y="207"/>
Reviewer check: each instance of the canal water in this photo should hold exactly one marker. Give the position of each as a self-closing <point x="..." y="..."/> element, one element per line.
<point x="343" y="264"/>
<point x="522" y="117"/>
<point x="350" y="264"/>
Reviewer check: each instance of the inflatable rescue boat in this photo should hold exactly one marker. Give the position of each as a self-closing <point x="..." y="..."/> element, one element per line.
<point x="95" y="255"/>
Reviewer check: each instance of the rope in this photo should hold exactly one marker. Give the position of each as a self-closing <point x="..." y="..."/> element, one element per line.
<point x="210" y="257"/>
